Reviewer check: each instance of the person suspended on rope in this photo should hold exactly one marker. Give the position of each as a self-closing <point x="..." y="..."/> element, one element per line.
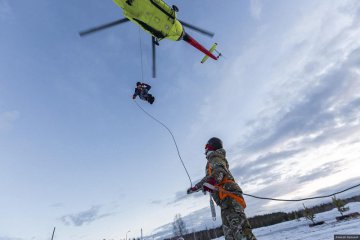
<point x="142" y="90"/>
<point x="225" y="191"/>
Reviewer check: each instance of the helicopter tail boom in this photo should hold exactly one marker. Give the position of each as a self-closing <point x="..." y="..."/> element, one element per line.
<point x="187" y="38"/>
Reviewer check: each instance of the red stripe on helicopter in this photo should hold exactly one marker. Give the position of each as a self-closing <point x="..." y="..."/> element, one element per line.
<point x="187" y="38"/>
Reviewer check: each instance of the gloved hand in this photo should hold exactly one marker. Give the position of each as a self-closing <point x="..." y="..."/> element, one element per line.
<point x="210" y="181"/>
<point x="134" y="96"/>
<point x="192" y="190"/>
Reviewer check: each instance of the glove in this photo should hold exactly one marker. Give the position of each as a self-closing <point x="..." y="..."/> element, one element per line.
<point x="192" y="190"/>
<point x="210" y="181"/>
<point x="134" y="96"/>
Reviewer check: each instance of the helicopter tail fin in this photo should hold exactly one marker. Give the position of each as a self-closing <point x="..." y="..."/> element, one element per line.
<point x="212" y="49"/>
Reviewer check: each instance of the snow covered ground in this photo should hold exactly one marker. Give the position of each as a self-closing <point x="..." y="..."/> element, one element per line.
<point x="300" y="230"/>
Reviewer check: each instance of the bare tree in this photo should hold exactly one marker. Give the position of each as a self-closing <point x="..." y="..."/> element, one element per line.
<point x="179" y="227"/>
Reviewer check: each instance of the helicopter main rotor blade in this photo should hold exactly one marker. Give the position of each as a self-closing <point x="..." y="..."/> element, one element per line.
<point x="207" y="33"/>
<point x="153" y="57"/>
<point x="102" y="27"/>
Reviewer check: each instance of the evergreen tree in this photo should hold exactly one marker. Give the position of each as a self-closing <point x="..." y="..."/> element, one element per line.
<point x="309" y="214"/>
<point x="340" y="205"/>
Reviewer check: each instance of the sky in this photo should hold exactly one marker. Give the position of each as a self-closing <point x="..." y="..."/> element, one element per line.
<point x="77" y="153"/>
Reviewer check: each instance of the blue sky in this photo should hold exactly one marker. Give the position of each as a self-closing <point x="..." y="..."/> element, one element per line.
<point x="77" y="153"/>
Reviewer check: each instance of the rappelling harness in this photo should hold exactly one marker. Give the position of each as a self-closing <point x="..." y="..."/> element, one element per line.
<point x="221" y="191"/>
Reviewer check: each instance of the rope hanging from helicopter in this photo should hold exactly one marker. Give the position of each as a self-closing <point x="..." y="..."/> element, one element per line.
<point x="172" y="135"/>
<point x="155" y="119"/>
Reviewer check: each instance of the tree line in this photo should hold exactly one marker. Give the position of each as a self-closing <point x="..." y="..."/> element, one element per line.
<point x="256" y="221"/>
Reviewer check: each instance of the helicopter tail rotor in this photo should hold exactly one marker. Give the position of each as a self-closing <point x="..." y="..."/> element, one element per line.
<point x="102" y="27"/>
<point x="212" y="49"/>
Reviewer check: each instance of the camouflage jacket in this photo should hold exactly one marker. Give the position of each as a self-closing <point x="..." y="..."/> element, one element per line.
<point x="217" y="168"/>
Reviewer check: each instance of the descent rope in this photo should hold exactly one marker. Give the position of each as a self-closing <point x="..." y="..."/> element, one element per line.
<point x="172" y="135"/>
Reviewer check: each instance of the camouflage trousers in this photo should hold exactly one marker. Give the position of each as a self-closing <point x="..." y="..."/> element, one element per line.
<point x="235" y="224"/>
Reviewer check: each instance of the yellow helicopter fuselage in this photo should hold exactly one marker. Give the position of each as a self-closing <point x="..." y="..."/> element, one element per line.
<point x="154" y="16"/>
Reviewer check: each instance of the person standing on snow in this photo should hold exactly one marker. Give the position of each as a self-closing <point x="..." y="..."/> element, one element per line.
<point x="225" y="191"/>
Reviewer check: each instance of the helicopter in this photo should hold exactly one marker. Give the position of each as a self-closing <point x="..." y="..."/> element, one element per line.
<point x="159" y="20"/>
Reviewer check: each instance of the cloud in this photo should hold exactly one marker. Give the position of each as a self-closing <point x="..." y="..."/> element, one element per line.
<point x="263" y="166"/>
<point x="181" y="195"/>
<point x="156" y="202"/>
<point x="256" y="8"/>
<point x="57" y="205"/>
<point x="7" y="119"/>
<point x="9" y="238"/>
<point x="323" y="171"/>
<point x="315" y="118"/>
<point x="84" y="217"/>
<point x="344" y="189"/>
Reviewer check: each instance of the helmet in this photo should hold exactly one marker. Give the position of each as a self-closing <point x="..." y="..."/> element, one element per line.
<point x="214" y="143"/>
<point x="138" y="83"/>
